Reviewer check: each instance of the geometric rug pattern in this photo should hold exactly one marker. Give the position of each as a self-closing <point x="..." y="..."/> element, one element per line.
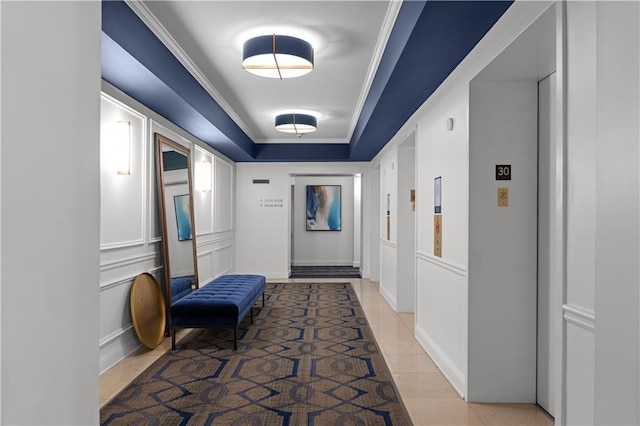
<point x="324" y="272"/>
<point x="309" y="358"/>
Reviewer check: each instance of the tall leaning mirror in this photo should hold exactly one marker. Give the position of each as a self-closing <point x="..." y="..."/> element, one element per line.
<point x="175" y="189"/>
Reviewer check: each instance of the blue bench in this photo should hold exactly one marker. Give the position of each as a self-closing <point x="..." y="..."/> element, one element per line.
<point x="223" y="302"/>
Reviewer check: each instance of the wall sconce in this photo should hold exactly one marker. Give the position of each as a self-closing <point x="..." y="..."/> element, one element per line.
<point x="122" y="147"/>
<point x="203" y="176"/>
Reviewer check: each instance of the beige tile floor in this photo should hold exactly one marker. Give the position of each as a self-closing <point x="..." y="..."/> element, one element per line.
<point x="428" y="396"/>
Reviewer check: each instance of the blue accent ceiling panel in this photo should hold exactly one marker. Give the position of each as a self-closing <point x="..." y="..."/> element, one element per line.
<point x="442" y="36"/>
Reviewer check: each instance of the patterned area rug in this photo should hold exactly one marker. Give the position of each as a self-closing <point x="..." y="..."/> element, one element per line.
<point x="310" y="358"/>
<point x="324" y="272"/>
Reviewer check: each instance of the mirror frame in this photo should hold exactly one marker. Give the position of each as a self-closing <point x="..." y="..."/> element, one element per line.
<point x="161" y="140"/>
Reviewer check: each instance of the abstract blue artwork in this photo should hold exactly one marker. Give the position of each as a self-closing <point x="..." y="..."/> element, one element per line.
<point x="324" y="207"/>
<point x="183" y="216"/>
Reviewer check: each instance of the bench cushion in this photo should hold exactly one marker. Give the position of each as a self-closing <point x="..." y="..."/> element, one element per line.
<point x="222" y="302"/>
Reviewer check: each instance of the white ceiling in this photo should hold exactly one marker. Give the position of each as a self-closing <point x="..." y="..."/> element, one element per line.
<point x="348" y="38"/>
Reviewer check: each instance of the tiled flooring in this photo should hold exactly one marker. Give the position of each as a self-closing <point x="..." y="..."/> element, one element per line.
<point x="428" y="396"/>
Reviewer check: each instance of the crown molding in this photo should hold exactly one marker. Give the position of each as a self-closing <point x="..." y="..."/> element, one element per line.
<point x="149" y="19"/>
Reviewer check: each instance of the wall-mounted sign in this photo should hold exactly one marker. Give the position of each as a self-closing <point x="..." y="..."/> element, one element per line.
<point x="503" y="171"/>
<point x="437" y="195"/>
<point x="503" y="197"/>
<point x="271" y="202"/>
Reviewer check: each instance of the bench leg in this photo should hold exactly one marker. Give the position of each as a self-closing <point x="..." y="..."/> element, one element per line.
<point x="235" y="339"/>
<point x="251" y="314"/>
<point x="263" y="299"/>
<point x="173" y="339"/>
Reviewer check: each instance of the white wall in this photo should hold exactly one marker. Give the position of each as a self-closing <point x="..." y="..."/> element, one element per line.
<point x="406" y="226"/>
<point x="388" y="227"/>
<point x="323" y="247"/>
<point x="502" y="269"/>
<point x="50" y="212"/>
<point x="601" y="310"/>
<point x="397" y="249"/>
<point x="130" y="235"/>
<point x="263" y="210"/>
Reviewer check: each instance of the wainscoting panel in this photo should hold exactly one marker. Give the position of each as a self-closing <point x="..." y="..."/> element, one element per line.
<point x="388" y="272"/>
<point x="124" y="227"/>
<point x="441" y="318"/>
<point x="579" y="332"/>
<point x="224" y="202"/>
<point x="117" y="336"/>
<point x="205" y="266"/>
<point x="223" y="259"/>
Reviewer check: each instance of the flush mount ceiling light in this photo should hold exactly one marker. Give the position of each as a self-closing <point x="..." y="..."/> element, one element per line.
<point x="296" y="123"/>
<point x="277" y="56"/>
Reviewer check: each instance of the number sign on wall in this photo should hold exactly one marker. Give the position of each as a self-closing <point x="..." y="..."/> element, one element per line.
<point x="503" y="172"/>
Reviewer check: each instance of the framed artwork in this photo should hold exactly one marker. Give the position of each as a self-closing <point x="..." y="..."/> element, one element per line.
<point x="183" y="217"/>
<point x="324" y="207"/>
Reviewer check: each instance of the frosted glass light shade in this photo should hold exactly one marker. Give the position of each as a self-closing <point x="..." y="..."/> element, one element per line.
<point x="277" y="56"/>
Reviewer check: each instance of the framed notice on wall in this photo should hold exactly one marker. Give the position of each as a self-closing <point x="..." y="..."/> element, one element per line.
<point x="437" y="195"/>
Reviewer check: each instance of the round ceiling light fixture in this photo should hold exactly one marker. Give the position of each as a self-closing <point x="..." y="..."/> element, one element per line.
<point x="296" y="123"/>
<point x="277" y="56"/>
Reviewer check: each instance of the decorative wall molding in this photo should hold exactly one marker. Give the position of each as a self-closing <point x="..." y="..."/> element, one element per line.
<point x="219" y="258"/>
<point x="116" y="283"/>
<point x="122" y="244"/>
<point x="388" y="243"/>
<point x="138" y="141"/>
<point x="215" y="240"/>
<point x="579" y="316"/>
<point x="129" y="279"/>
<point x="114" y="335"/>
<point x="444" y="363"/>
<point x="130" y="260"/>
<point x="228" y="246"/>
<point x="223" y="171"/>
<point x="443" y="263"/>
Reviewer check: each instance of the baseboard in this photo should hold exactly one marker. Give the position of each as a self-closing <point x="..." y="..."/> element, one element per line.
<point x="444" y="363"/>
<point x="391" y="300"/>
<point x="322" y="263"/>
<point x="116" y="347"/>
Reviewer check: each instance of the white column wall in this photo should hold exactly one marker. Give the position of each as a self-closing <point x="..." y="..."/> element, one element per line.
<point x="579" y="306"/>
<point x="50" y="57"/>
<point x="406" y="229"/>
<point x="502" y="274"/>
<point x="617" y="288"/>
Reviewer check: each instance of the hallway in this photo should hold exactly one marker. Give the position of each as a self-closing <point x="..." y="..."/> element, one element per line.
<point x="426" y="393"/>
